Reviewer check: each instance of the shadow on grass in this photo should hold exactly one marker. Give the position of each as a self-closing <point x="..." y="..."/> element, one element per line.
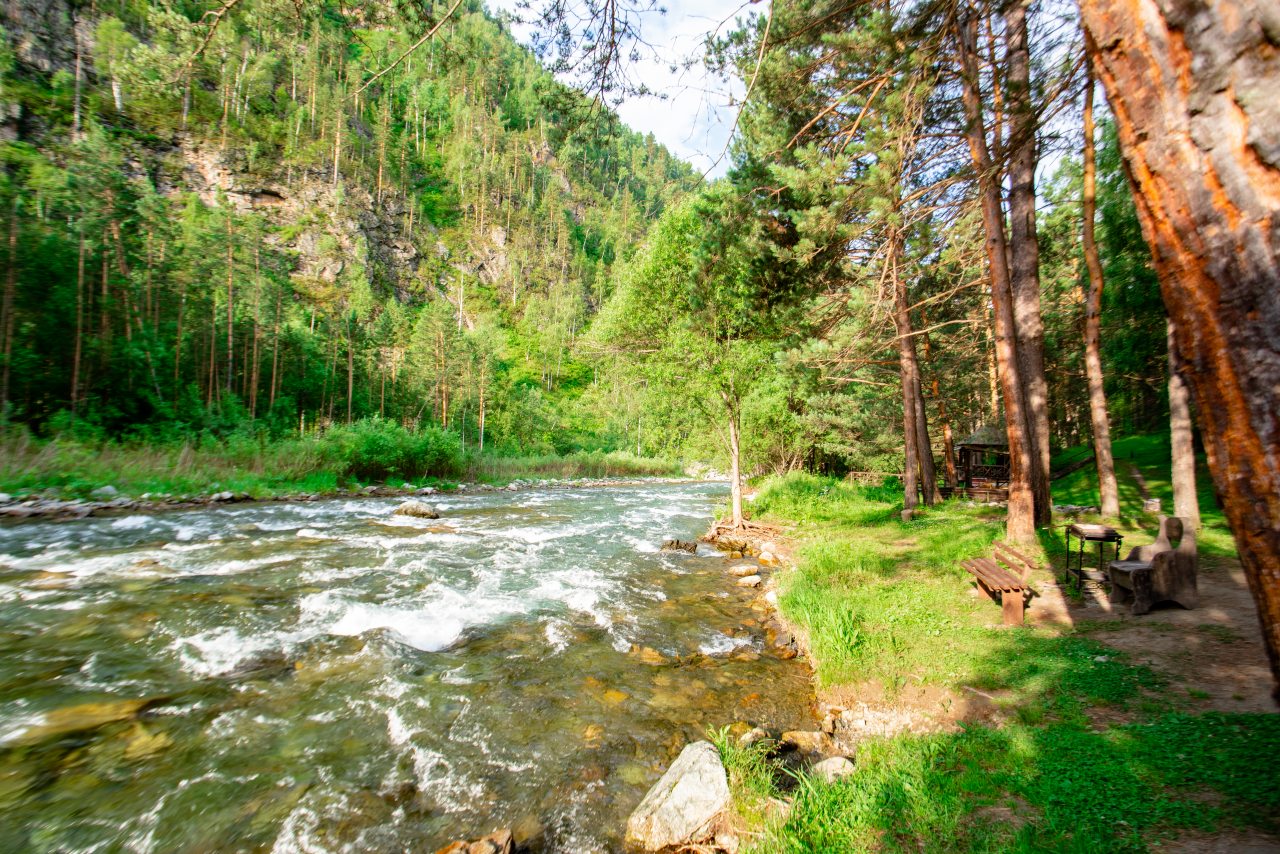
<point x="1086" y="750"/>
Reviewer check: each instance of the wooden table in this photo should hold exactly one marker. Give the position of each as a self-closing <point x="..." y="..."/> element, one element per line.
<point x="1100" y="534"/>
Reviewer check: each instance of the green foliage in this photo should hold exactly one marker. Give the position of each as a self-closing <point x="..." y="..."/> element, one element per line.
<point x="427" y="252"/>
<point x="375" y="449"/>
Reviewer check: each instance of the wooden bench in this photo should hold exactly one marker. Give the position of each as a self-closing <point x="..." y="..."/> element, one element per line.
<point x="1004" y="573"/>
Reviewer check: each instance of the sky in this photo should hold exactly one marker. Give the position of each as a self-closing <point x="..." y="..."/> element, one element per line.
<point x="696" y="115"/>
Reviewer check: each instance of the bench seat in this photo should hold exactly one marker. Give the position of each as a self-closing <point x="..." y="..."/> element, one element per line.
<point x="1005" y="574"/>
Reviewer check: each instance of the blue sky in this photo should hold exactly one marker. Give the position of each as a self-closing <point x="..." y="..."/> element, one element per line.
<point x="695" y="117"/>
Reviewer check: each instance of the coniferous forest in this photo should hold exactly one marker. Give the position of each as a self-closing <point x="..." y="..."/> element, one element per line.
<point x="974" y="277"/>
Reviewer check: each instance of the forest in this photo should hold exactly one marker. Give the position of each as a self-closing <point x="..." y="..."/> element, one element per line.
<point x="260" y="242"/>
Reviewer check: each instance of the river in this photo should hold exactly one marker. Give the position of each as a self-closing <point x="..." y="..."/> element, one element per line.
<point x="328" y="677"/>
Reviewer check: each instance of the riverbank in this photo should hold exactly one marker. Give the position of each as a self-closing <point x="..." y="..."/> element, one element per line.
<point x="1084" y="730"/>
<point x="64" y="477"/>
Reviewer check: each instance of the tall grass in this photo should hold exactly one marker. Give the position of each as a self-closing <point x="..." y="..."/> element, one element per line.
<point x="366" y="451"/>
<point x="596" y="464"/>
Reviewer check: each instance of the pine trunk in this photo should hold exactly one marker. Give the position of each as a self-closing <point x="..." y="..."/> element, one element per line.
<point x="1024" y="253"/>
<point x="1098" y="418"/>
<point x="908" y="369"/>
<point x="1192" y="88"/>
<point x="1021" y="522"/>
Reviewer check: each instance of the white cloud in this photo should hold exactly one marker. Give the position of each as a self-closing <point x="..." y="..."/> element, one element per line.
<point x="695" y="111"/>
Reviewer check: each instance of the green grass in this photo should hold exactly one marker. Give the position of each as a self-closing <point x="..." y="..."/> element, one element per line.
<point x="350" y="457"/>
<point x="1048" y="788"/>
<point x="1150" y="456"/>
<point x="1095" y="752"/>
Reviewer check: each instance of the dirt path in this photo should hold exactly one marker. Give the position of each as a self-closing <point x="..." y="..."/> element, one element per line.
<point x="1214" y="651"/>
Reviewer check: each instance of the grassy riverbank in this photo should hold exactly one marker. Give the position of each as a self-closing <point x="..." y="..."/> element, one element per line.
<point x="340" y="458"/>
<point x="1053" y="738"/>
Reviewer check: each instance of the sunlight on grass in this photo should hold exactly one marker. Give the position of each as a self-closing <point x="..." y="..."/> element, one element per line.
<point x="882" y="600"/>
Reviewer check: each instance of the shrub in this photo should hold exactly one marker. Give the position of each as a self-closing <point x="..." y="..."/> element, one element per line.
<point x="375" y="449"/>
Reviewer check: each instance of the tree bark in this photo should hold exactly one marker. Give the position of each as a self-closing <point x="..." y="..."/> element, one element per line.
<point x="909" y="370"/>
<point x="1024" y="253"/>
<point x="735" y="463"/>
<point x="1186" y="504"/>
<point x="1021" y="521"/>
<point x="1192" y="87"/>
<point x="924" y="449"/>
<point x="1101" y="424"/>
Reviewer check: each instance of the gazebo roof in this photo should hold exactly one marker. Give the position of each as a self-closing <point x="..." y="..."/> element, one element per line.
<point x="986" y="436"/>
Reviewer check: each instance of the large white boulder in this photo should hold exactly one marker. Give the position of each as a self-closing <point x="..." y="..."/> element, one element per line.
<point x="682" y="807"/>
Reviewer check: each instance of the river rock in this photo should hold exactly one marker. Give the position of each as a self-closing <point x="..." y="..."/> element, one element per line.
<point x="833" y="768"/>
<point x="416" y="509"/>
<point x="767" y="558"/>
<point x="679" y="546"/>
<point x="104" y="493"/>
<point x="498" y="842"/>
<point x="742" y="570"/>
<point x="648" y="654"/>
<point x="683" y="807"/>
<point x="70" y="719"/>
<point x="223" y="497"/>
<point x="426" y="490"/>
<point x="756" y="735"/>
<point x="6" y="498"/>
<point x="811" y="746"/>
<point x="749" y="581"/>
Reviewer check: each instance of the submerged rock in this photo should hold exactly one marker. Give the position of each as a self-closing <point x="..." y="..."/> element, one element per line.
<point x="683" y="807"/>
<point x="416" y="509"/>
<point x="648" y="654"/>
<point x="679" y="546"/>
<point x="72" y="719"/>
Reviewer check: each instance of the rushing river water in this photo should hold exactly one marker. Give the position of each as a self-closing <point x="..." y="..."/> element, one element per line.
<point x="328" y="677"/>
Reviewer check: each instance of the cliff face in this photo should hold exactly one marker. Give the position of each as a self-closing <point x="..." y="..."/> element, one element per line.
<point x="325" y="226"/>
<point x="42" y="33"/>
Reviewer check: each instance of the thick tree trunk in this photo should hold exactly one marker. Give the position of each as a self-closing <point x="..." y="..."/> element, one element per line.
<point x="1093" y="322"/>
<point x="924" y="449"/>
<point x="1024" y="253"/>
<point x="1186" y="504"/>
<point x="1192" y="87"/>
<point x="1021" y="522"/>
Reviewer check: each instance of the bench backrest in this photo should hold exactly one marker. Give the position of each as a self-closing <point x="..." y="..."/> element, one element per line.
<point x="1015" y="560"/>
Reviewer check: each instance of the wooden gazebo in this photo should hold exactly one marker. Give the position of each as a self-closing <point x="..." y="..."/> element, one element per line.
<point x="982" y="465"/>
